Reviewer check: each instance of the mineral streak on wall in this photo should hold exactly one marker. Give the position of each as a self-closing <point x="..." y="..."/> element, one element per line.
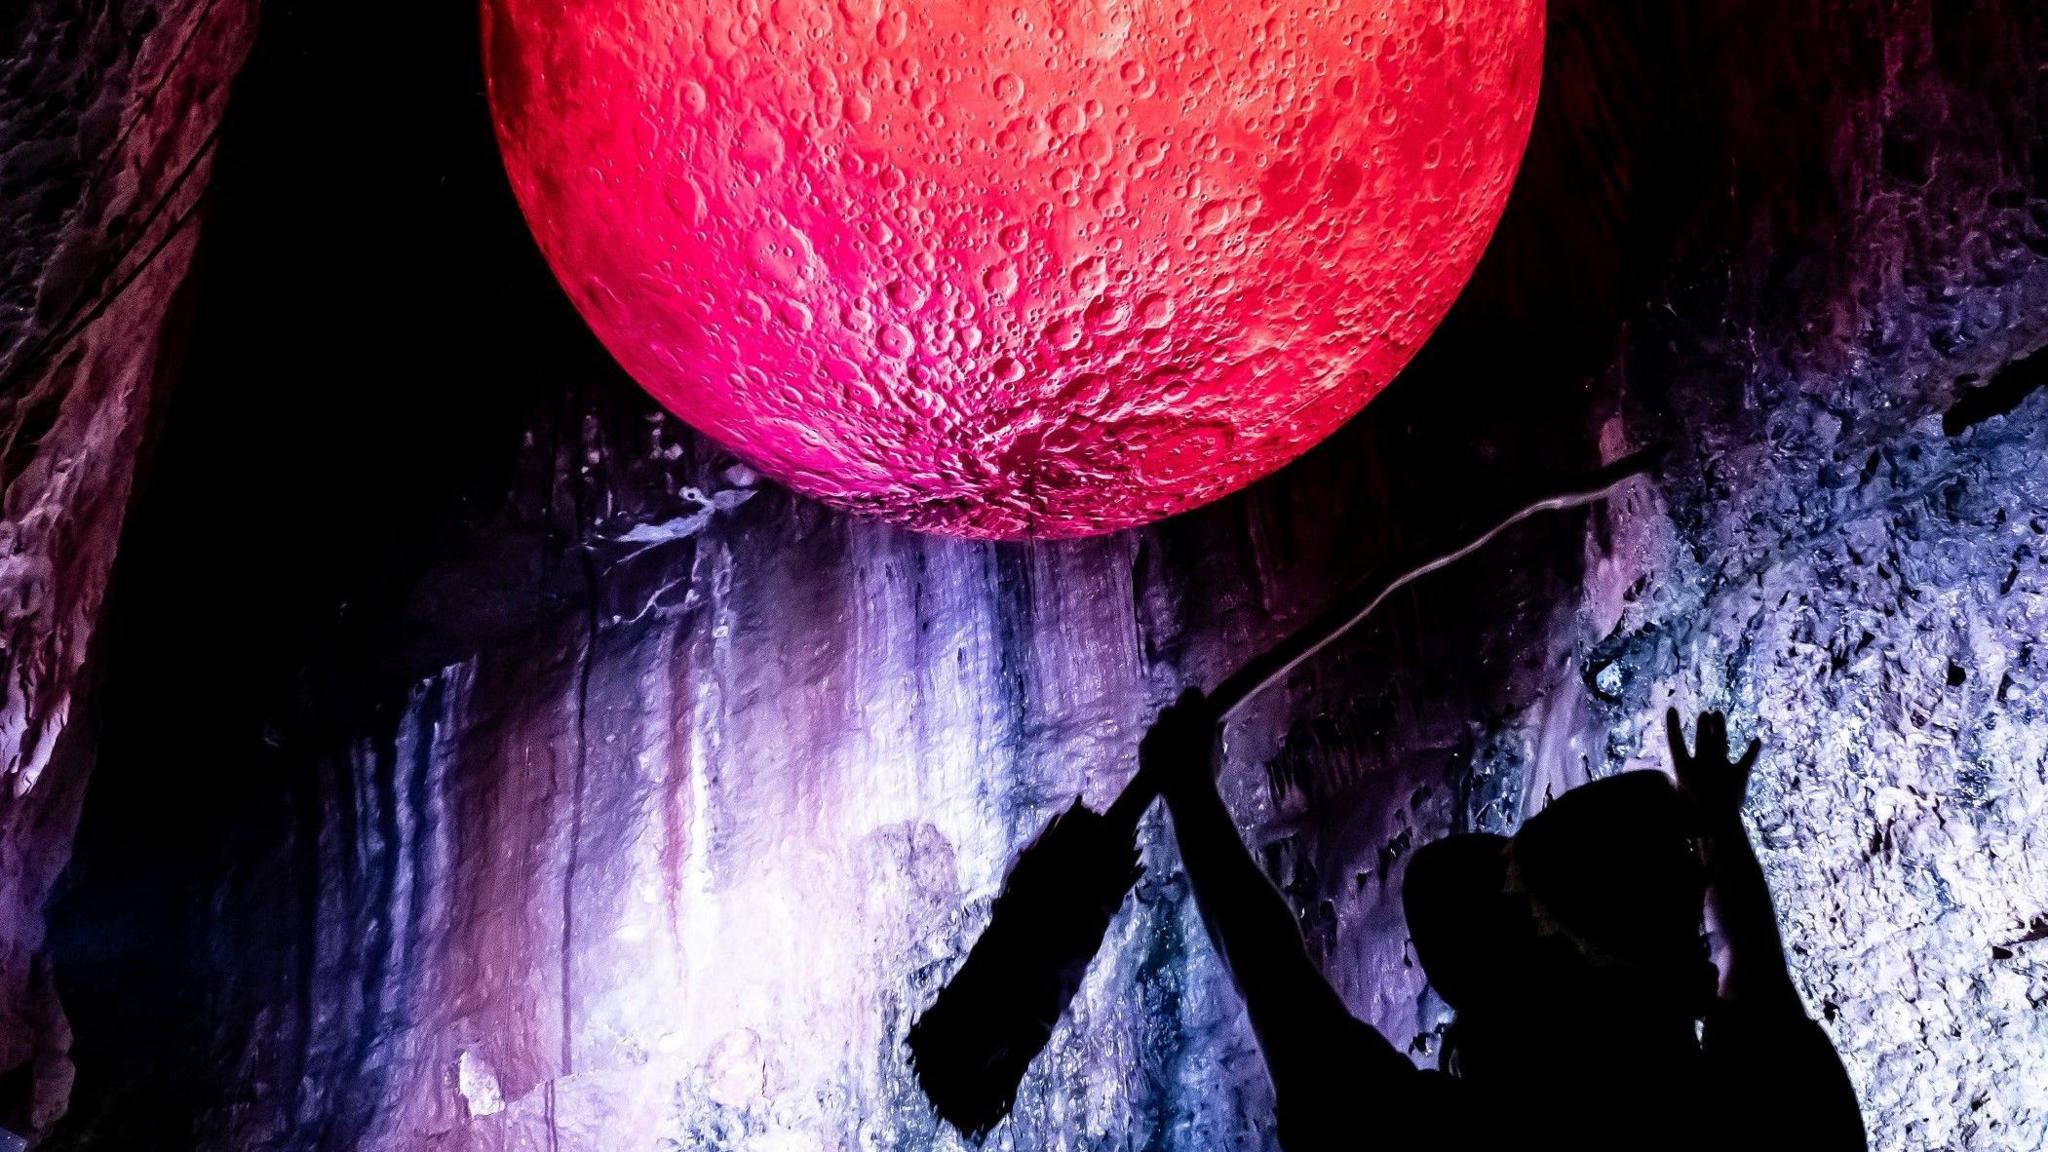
<point x="654" y="802"/>
<point x="107" y="130"/>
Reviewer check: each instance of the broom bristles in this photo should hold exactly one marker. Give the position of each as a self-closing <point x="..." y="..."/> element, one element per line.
<point x="971" y="1049"/>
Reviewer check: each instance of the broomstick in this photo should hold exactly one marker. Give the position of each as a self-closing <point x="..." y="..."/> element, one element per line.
<point x="996" y="1014"/>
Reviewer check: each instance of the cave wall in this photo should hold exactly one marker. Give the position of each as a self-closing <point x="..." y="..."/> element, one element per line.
<point x="108" y="122"/>
<point x="519" y="771"/>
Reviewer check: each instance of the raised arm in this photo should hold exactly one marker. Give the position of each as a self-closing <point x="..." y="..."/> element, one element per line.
<point x="1313" y="1047"/>
<point x="1776" y="1068"/>
<point x="1737" y="895"/>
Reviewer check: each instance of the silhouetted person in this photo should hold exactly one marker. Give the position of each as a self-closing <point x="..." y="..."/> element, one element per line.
<point x="1588" y="1012"/>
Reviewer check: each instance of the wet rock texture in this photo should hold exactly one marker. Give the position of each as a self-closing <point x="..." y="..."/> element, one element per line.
<point x="605" y="796"/>
<point x="107" y="121"/>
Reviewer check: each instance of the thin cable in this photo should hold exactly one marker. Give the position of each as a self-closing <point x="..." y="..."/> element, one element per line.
<point x="1303" y="645"/>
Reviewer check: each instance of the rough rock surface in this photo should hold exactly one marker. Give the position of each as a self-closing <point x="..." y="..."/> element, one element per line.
<point x="107" y="122"/>
<point x="602" y="797"/>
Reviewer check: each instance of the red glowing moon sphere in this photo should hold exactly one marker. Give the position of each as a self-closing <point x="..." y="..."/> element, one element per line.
<point x="1019" y="268"/>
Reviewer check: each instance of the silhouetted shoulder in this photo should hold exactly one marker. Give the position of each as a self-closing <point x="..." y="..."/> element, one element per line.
<point x="1775" y="1079"/>
<point x="1364" y="1094"/>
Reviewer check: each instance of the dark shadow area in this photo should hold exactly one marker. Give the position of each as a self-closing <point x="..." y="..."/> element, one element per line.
<point x="2007" y="389"/>
<point x="374" y="335"/>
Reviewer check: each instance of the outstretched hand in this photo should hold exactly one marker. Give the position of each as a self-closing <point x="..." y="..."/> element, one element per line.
<point x="1752" y="957"/>
<point x="1180" y="747"/>
<point x="1715" y="784"/>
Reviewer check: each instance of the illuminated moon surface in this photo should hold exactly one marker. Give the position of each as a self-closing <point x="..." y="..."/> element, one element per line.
<point x="1030" y="268"/>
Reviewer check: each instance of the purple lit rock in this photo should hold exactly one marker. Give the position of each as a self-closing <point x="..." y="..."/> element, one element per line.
<point x="106" y="142"/>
